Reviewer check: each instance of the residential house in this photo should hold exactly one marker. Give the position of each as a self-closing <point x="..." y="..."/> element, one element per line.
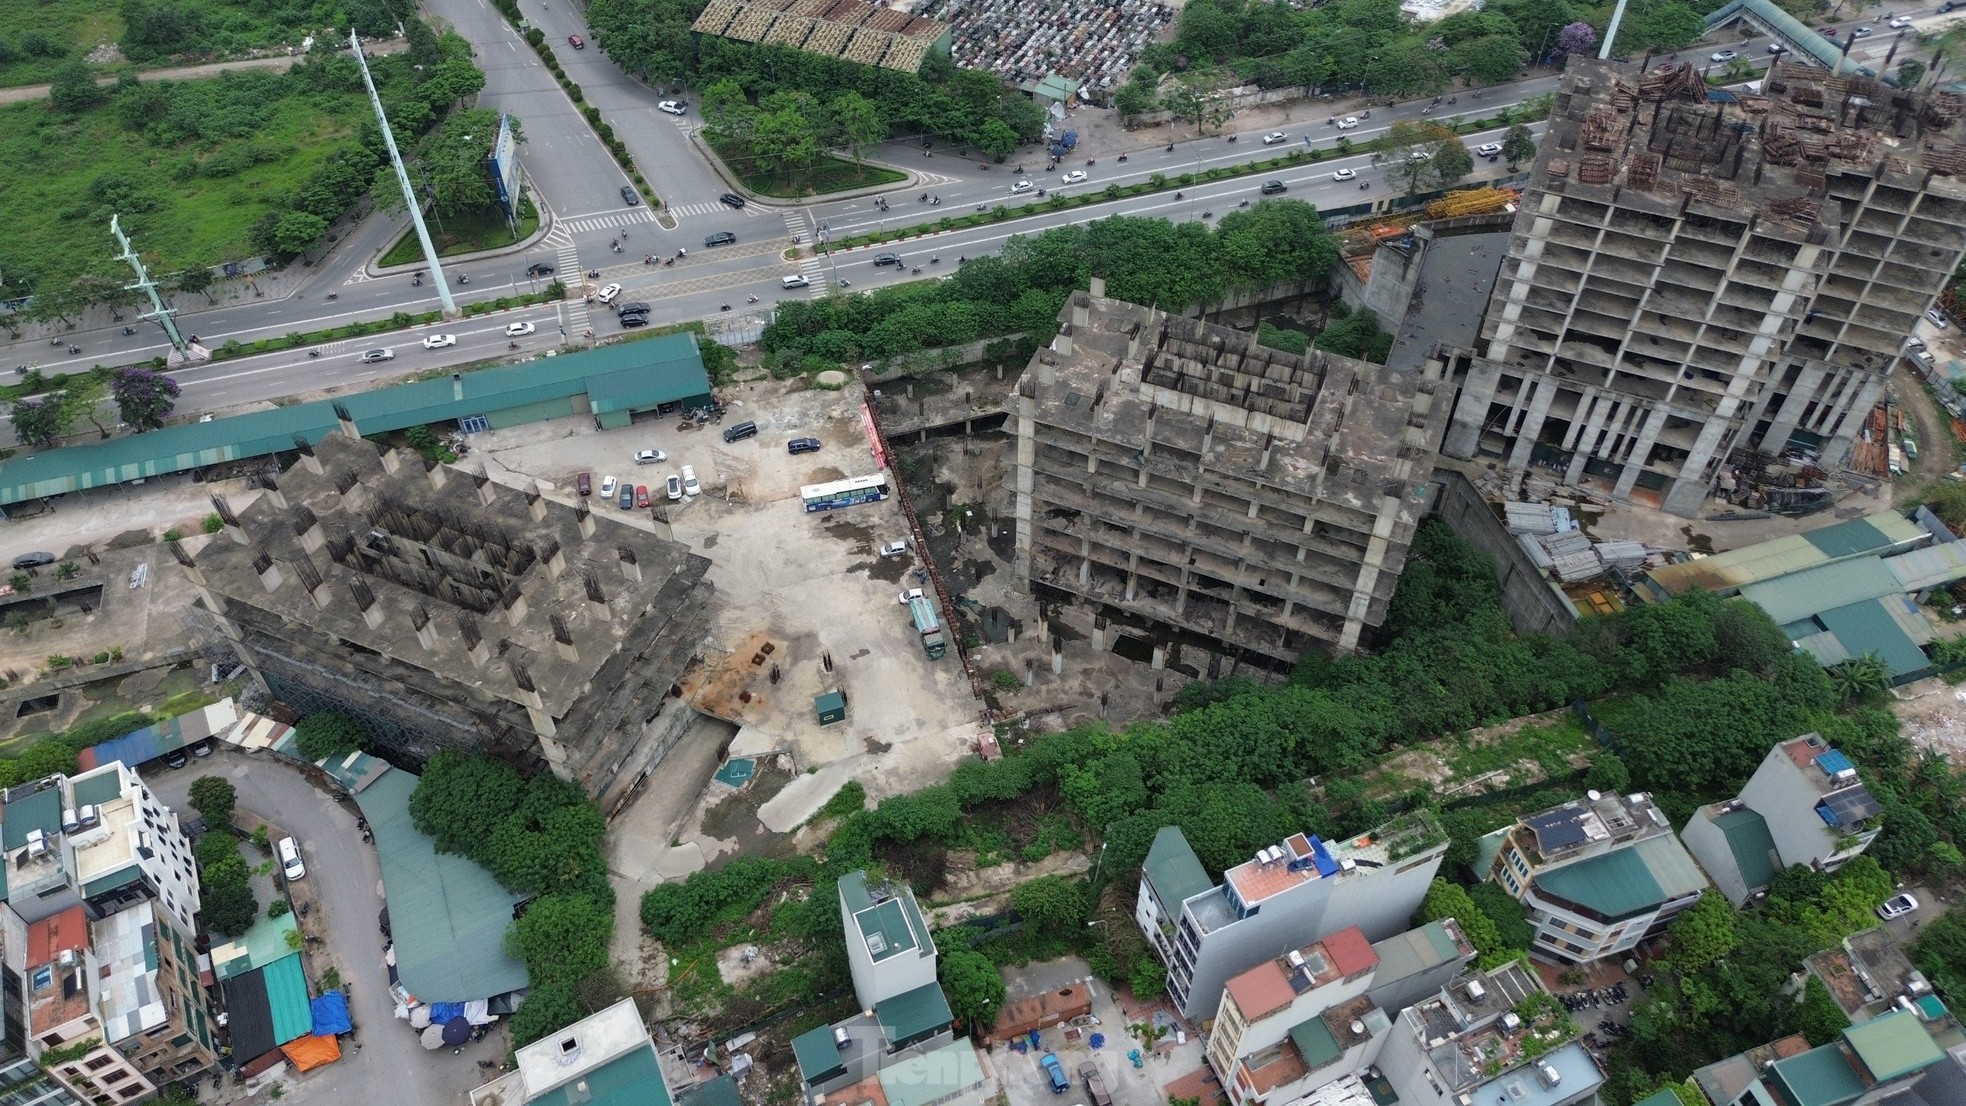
<point x="888" y="947"/>
<point x="1468" y="1045"/>
<point x="604" y="1059"/>
<point x="1596" y="875"/>
<point x="1803" y="805"/>
<point x="1285" y="897"/>
<point x="1880" y="1061"/>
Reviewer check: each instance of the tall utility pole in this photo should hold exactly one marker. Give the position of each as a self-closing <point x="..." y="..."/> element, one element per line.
<point x="183" y="351"/>
<point x="403" y="180"/>
<point x="1611" y="30"/>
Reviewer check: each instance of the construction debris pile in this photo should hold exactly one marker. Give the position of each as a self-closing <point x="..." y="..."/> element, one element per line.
<point x="1023" y="41"/>
<point x="1555" y="541"/>
<point x="1792" y="484"/>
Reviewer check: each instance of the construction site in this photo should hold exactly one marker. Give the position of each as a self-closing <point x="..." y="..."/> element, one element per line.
<point x="1705" y="293"/>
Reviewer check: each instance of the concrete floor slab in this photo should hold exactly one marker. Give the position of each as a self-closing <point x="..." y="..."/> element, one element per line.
<point x="802" y="798"/>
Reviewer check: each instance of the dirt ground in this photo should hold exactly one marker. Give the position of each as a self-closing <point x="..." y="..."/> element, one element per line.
<point x="1932" y="714"/>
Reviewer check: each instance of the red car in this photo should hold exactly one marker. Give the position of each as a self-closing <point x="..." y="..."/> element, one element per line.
<point x="576" y="42"/>
<point x="641" y="495"/>
<point x="584" y="484"/>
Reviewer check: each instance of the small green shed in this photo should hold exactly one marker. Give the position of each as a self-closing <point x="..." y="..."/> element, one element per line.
<point x="830" y="706"/>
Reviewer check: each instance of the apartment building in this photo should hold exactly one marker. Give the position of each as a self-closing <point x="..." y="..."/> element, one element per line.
<point x="1284" y="897"/>
<point x="1596" y="875"/>
<point x="1468" y="1045"/>
<point x="1187" y="486"/>
<point x="888" y="947"/>
<point x="1697" y="274"/>
<point x="1318" y="1014"/>
<point x="1890" y="1059"/>
<point x="603" y="1059"/>
<point x="1803" y="805"/>
<point x="100" y="895"/>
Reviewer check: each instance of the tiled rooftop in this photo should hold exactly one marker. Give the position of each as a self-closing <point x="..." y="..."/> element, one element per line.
<point x="1262" y="990"/>
<point x="48" y="938"/>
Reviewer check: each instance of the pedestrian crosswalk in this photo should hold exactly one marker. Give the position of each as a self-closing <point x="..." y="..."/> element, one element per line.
<point x="686" y="211"/>
<point x="608" y="221"/>
<point x="579" y="315"/>
<point x="811" y="265"/>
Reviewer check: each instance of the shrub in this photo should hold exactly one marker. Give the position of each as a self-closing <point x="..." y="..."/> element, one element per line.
<point x="213" y="523"/>
<point x="322" y="735"/>
<point x="277" y="908"/>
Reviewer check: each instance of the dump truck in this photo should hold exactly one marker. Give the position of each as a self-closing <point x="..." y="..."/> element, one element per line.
<point x="928" y="625"/>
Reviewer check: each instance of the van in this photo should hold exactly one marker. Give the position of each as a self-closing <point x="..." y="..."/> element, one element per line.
<point x="290" y="862"/>
<point x="741" y="431"/>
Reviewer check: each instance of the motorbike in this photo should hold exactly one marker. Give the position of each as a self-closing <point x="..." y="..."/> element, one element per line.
<point x="1122" y="157"/>
<point x="753" y="299"/>
<point x="923" y="198"/>
<point x="936" y="202"/>
<point x="1363" y="185"/>
<point x="959" y="261"/>
<point x="129" y="330"/>
<point x="334" y="295"/>
<point x="313" y="353"/>
<point x="934" y="260"/>
<point x="1366" y="114"/>
<point x="73" y="350"/>
<point x="917" y="271"/>
<point x="1232" y="138"/>
<point x="1180" y="195"/>
<point x="982" y="207"/>
<point x="1088" y="162"/>
<point x="417" y="283"/>
<point x="725" y="307"/>
<point x="982" y="165"/>
<point x="1040" y="193"/>
<point x="1208" y="215"/>
<point x="593" y="274"/>
<point x="668" y="262"/>
<point x="617" y="246"/>
<point x="1170" y="147"/>
<point x="1453" y="100"/>
<point x="1428" y="110"/>
<point x="511" y="345"/>
<point x="462" y="279"/>
<point x="1245" y="203"/>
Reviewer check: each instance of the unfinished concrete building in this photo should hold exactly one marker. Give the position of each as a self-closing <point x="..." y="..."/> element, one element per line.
<point x="441" y="610"/>
<point x="1176" y="479"/>
<point x="1697" y="279"/>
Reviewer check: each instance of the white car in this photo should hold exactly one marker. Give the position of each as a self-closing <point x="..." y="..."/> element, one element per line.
<point x="1348" y="122"/>
<point x="670" y="106"/>
<point x="894" y="549"/>
<point x="690" y="486"/>
<point x="1898" y="23"/>
<point x="674" y="487"/>
<point x="518" y="330"/>
<point x="607" y="294"/>
<point x="1345" y="174"/>
<point x="1897" y="906"/>
<point x="1724" y="55"/>
<point x="1914" y="342"/>
<point x="291" y="866"/>
<point x="650" y="457"/>
<point x="911" y="595"/>
<point x="439" y="341"/>
<point x="607" y="487"/>
<point x="1488" y="149"/>
<point x="1777" y="48"/>
<point x="1075" y="176"/>
<point x="370" y="357"/>
<point x="1936" y="317"/>
<point x="1274" y="137"/>
<point x="1021" y="186"/>
<point x="1861" y="32"/>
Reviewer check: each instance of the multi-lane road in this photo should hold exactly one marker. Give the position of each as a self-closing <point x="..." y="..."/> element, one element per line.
<point x="577" y="184"/>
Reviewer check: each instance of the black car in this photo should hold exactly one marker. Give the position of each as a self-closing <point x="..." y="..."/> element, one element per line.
<point x="629" y="196"/>
<point x="732" y="199"/>
<point x="634" y="320"/>
<point x="887" y="259"/>
<point x="1272" y="187"/>
<point x="741" y="431"/>
<point x="721" y="238"/>
<point x="802" y="445"/>
<point x="539" y="268"/>
<point x="627" y="497"/>
<point x="636" y="307"/>
<point x="34" y="560"/>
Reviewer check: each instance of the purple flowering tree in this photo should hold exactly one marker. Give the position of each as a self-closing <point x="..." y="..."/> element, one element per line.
<point x="143" y="398"/>
<point x="1576" y="38"/>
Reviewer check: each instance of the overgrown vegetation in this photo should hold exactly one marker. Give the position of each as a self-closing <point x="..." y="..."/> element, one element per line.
<point x="253" y="162"/>
<point x="321" y="736"/>
<point x="1022" y="289"/>
<point x="225" y="890"/>
<point x="538" y="837"/>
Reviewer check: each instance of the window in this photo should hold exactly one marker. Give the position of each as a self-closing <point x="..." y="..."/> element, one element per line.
<point x="116" y="1076"/>
<point x="100" y="1063"/>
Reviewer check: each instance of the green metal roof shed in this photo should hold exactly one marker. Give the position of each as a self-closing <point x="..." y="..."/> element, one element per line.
<point x="1752" y="846"/>
<point x="818" y="1056"/>
<point x="937" y="1077"/>
<point x="632" y="1079"/>
<point x="1315" y="1043"/>
<point x="1893" y="1045"/>
<point x="448" y="915"/>
<point x="616" y="381"/>
<point x="914" y="1015"/>
<point x="1174" y="869"/>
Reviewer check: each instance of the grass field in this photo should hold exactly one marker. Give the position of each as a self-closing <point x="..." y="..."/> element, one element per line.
<point x="466" y="233"/>
<point x="77" y="27"/>
<point x="189" y="203"/>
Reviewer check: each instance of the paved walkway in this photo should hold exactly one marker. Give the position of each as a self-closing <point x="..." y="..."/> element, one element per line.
<point x="196" y="72"/>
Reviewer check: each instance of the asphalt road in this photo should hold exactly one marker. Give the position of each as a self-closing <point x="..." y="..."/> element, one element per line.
<point x="391" y="1066"/>
<point x="578" y="183"/>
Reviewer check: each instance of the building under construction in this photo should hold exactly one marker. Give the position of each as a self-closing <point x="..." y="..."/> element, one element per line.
<point x="440" y="610"/>
<point x="1179" y="480"/>
<point x="1697" y="277"/>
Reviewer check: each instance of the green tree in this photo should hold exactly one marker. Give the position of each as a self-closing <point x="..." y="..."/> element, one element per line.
<point x="556" y="937"/>
<point x="1518" y="145"/>
<point x="857" y="122"/>
<point x="144" y="399"/>
<point x="41" y="423"/>
<point x="324" y="735"/>
<point x="463" y="797"/>
<point x="997" y="139"/>
<point x="230" y="908"/>
<point x="1148" y="979"/>
<point x="1660" y="25"/>
<point x="1133" y="100"/>
<point x="213" y="797"/>
<point x="1049" y="903"/>
<point x="974" y="986"/>
<point x="1910" y="73"/>
<point x="1861" y="678"/>
<point x="1704" y="934"/>
<point x="1819" y="1017"/>
<point x="1489" y="59"/>
<point x="72" y="86"/>
<point x="1451" y="163"/>
<point x="548" y="1008"/>
<point x="296" y="232"/>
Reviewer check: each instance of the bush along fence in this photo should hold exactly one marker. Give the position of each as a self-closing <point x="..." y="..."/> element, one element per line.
<point x="1163" y="182"/>
<point x="537" y="38"/>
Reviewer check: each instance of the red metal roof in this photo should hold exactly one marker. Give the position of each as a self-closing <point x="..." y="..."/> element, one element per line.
<point x="1261" y="990"/>
<point x="1350" y="953"/>
<point x="48" y="938"/>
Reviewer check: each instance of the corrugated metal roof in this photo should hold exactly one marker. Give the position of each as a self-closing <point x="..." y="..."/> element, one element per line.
<point x="911" y="1015"/>
<point x="1869" y="534"/>
<point x="1736" y="568"/>
<point x="631" y="375"/>
<point x="1672" y="867"/>
<point x="1801" y="594"/>
<point x="1750" y="844"/>
<point x="1869" y="628"/>
<point x="1929" y="567"/>
<point x="1174" y="869"/>
<point x="448" y="915"/>
<point x="920" y="1080"/>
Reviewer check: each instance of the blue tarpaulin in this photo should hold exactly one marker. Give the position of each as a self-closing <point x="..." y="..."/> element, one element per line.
<point x="331" y="1014"/>
<point x="441" y="1012"/>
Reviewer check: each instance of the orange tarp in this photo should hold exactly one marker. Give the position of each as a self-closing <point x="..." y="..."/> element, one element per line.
<point x="308" y="1053"/>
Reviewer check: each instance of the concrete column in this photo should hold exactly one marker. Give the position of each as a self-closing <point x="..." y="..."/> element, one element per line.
<point x="1057" y="656"/>
<point x="1640" y="450"/>
<point x="1795" y="402"/>
<point x="1099" y="633"/>
<point x="1584" y="433"/>
<point x="1532" y="421"/>
<point x="1159" y="660"/>
<point x="1477" y="393"/>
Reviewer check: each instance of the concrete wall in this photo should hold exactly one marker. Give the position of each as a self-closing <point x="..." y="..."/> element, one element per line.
<point x="1534" y="604"/>
<point x="1709" y="846"/>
